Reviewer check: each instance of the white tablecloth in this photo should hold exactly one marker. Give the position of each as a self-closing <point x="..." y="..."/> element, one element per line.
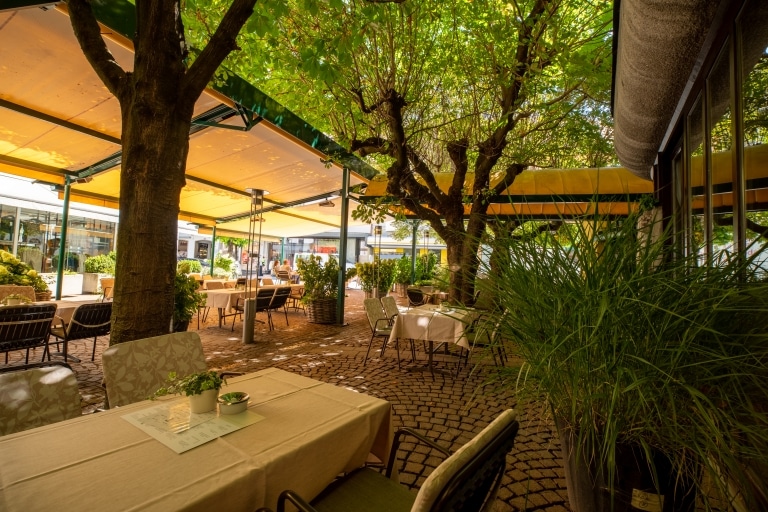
<point x="432" y="323"/>
<point x="310" y="433"/>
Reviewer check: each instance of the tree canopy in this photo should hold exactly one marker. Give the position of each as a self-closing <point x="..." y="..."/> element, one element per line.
<point x="480" y="89"/>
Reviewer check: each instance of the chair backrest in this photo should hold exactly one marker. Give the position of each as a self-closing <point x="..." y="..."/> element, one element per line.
<point x="24" y="291"/>
<point x="267" y="281"/>
<point x="284" y="275"/>
<point x="25" y="326"/>
<point x="390" y="306"/>
<point x="135" y="369"/>
<point x="415" y="296"/>
<point x="214" y="285"/>
<point x="375" y="313"/>
<point x="37" y="394"/>
<point x="281" y="296"/>
<point x="107" y="287"/>
<point x="90" y="320"/>
<point x="264" y="298"/>
<point x="469" y="479"/>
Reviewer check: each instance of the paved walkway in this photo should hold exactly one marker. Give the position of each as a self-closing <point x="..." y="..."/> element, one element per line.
<point x="446" y="409"/>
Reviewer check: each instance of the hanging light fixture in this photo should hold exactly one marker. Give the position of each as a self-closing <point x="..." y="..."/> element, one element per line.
<point x="256" y="218"/>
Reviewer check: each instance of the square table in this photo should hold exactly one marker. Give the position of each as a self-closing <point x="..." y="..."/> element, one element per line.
<point x="433" y="323"/>
<point x="310" y="433"/>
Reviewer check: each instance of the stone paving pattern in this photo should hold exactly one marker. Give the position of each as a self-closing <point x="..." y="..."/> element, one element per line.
<point x="450" y="410"/>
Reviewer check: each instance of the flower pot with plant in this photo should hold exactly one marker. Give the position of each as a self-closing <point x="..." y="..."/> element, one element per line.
<point x="97" y="267"/>
<point x="403" y="275"/>
<point x="647" y="362"/>
<point x="321" y="285"/>
<point x="15" y="299"/>
<point x="201" y="388"/>
<point x="186" y="301"/>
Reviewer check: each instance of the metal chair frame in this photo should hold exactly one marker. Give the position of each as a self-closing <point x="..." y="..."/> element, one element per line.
<point x="88" y="320"/>
<point x="25" y="326"/>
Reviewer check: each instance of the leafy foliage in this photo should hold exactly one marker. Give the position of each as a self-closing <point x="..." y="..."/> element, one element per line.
<point x="186" y="299"/>
<point x="188" y="267"/>
<point x="320" y="281"/>
<point x="379" y="275"/>
<point x="14" y="271"/>
<point x="101" y="264"/>
<point x="193" y="384"/>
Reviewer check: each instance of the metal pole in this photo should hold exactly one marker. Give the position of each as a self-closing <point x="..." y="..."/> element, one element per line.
<point x="413" y="251"/>
<point x="343" y="233"/>
<point x="63" y="240"/>
<point x="249" y="305"/>
<point x="213" y="246"/>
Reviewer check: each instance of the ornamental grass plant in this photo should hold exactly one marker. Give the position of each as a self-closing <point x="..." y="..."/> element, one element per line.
<point x="631" y="347"/>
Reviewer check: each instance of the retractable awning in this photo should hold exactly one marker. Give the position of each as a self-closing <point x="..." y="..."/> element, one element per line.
<point x="59" y="123"/>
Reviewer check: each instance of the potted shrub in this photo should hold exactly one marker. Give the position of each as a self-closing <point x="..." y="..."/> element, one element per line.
<point x="201" y="388"/>
<point x="321" y="285"/>
<point x="366" y="275"/>
<point x="649" y="364"/>
<point x="96" y="267"/>
<point x="378" y="276"/>
<point x="186" y="301"/>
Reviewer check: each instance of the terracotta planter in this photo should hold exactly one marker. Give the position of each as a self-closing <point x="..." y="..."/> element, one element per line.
<point x="204" y="402"/>
<point x="322" y="311"/>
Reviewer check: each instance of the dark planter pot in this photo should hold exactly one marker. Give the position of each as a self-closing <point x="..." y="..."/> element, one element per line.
<point x="322" y="311"/>
<point x="633" y="488"/>
<point x="180" y="326"/>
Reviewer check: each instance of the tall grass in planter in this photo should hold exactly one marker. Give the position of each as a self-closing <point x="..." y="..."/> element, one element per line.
<point x="664" y="360"/>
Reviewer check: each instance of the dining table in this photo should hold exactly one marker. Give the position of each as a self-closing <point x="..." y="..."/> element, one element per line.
<point x="224" y="299"/>
<point x="302" y="433"/>
<point x="433" y="323"/>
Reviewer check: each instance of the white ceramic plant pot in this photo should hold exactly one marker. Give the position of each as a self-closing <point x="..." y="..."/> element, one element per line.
<point x="13" y="302"/>
<point x="204" y="402"/>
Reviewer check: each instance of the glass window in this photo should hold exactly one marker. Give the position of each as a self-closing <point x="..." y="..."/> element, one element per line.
<point x="697" y="180"/>
<point x="754" y="98"/>
<point x="721" y="158"/>
<point x="7" y="221"/>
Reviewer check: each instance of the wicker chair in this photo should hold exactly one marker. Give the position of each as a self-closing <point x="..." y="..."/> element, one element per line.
<point x="13" y="289"/>
<point x="25" y="326"/>
<point x="467" y="480"/>
<point x="37" y="394"/>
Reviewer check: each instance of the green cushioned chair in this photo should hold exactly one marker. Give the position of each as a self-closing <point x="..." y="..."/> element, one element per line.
<point x="466" y="481"/>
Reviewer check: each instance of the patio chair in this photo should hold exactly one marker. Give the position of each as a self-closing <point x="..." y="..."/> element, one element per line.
<point x="284" y="276"/>
<point x="263" y="299"/>
<point x="380" y="327"/>
<point x="25" y="326"/>
<point x="214" y="285"/>
<point x="107" y="288"/>
<point x="467" y="480"/>
<point x="416" y="297"/>
<point x="14" y="289"/>
<point x="390" y="307"/>
<point x="279" y="300"/>
<point x="136" y="369"/>
<point x="294" y="299"/>
<point x="483" y="334"/>
<point x="37" y="394"/>
<point x="88" y="321"/>
<point x="267" y="281"/>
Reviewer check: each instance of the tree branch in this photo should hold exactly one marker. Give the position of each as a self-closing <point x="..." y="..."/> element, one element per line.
<point x="223" y="42"/>
<point x="88" y="34"/>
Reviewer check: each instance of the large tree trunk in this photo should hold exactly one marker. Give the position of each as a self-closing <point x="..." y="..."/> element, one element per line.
<point x="152" y="177"/>
<point x="156" y="102"/>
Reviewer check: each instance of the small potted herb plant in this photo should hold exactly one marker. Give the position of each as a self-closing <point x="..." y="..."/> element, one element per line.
<point x="15" y="299"/>
<point x="201" y="388"/>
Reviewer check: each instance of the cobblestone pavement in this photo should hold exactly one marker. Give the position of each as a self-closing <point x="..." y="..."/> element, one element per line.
<point x="450" y="410"/>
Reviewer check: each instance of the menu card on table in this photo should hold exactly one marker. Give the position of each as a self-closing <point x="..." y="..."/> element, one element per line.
<point x="173" y="424"/>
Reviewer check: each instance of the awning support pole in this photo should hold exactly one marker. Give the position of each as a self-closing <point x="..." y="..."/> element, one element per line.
<point x="63" y="240"/>
<point x="343" y="237"/>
